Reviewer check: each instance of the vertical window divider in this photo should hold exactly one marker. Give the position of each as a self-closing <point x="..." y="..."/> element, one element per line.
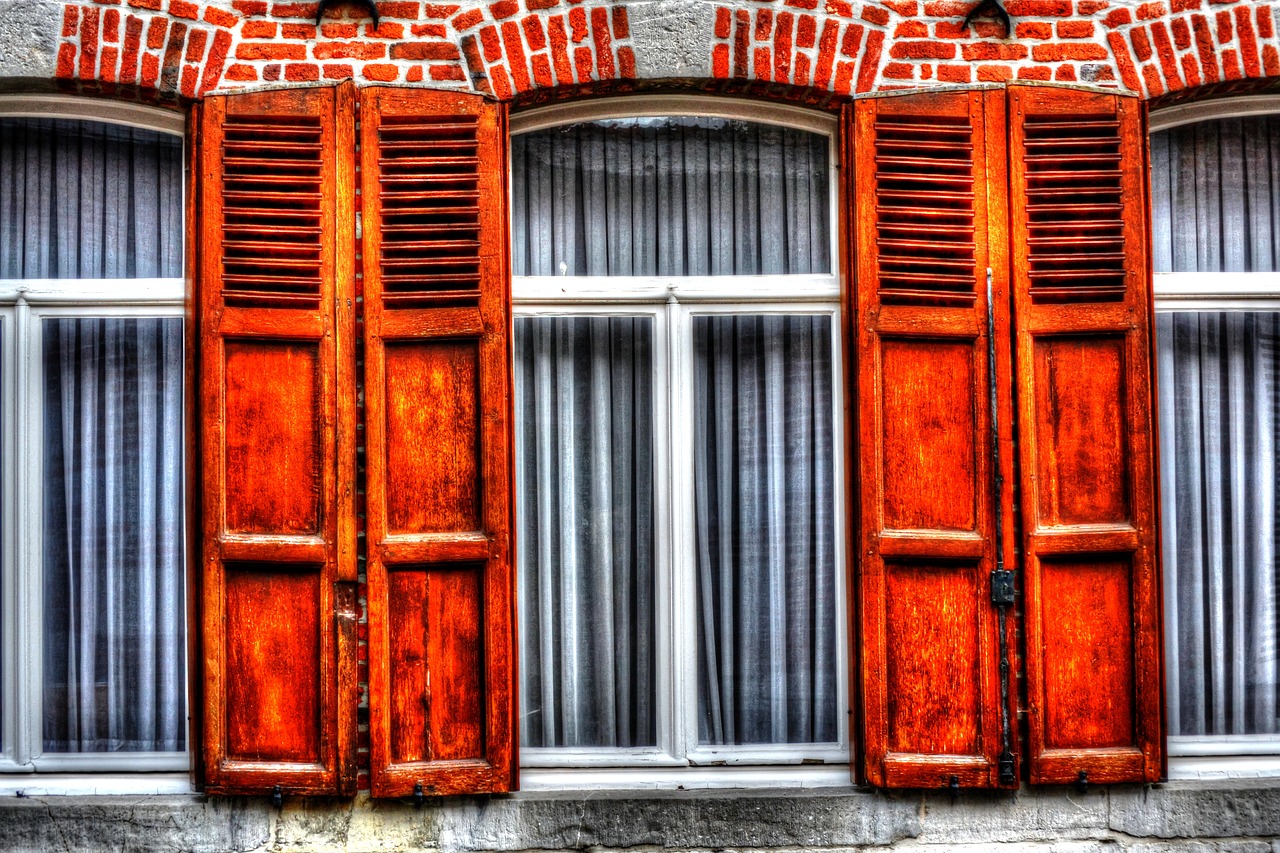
<point x="28" y="421"/>
<point x="10" y="699"/>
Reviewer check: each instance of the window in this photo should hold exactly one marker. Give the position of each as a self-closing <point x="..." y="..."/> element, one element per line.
<point x="92" y="576"/>
<point x="1216" y="214"/>
<point x="679" y="507"/>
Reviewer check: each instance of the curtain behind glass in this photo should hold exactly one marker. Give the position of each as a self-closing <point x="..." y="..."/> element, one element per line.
<point x="89" y="200"/>
<point x="763" y="485"/>
<point x="114" y="635"/>
<point x="1215" y="190"/>
<point x="669" y="196"/>
<point x="584" y="518"/>
<point x="1219" y="395"/>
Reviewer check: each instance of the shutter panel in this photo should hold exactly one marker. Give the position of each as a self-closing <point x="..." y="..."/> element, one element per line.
<point x="277" y="442"/>
<point x="438" y="398"/>
<point x="931" y="693"/>
<point x="1082" y="297"/>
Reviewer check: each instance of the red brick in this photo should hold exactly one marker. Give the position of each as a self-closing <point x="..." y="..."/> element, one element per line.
<point x="1035" y="72"/>
<point x="156" y="32"/>
<point x="444" y="10"/>
<point x="1152" y="78"/>
<point x="220" y="17"/>
<point x="275" y="50"/>
<point x="1036" y="9"/>
<point x="190" y="76"/>
<point x="384" y="30"/>
<point x="424" y="50"/>
<point x="985" y="50"/>
<point x="195" y="45"/>
<point x="183" y="9"/>
<point x="1181" y="33"/>
<point x="380" y="72"/>
<point x="298" y="32"/>
<point x="504" y="9"/>
<point x="70" y="21"/>
<point x="803" y="4"/>
<point x="404" y="11"/>
<point x="1266" y="25"/>
<point x="906" y="8"/>
<point x="1091" y="7"/>
<point x="844" y="78"/>
<point x="267" y="30"/>
<point x="169" y="71"/>
<point x="926" y="72"/>
<point x="153" y="5"/>
<point x="294" y="10"/>
<point x="242" y="73"/>
<point x="870" y="61"/>
<point x="955" y="73"/>
<point x="1231" y="65"/>
<point x="247" y="8"/>
<point x="782" y="47"/>
<point x="1248" y="42"/>
<point x="1118" y="18"/>
<point x="1164" y="52"/>
<point x="1141" y="44"/>
<point x="1075" y="29"/>
<point x="111" y="26"/>
<point x="542" y="77"/>
<point x="582" y="63"/>
<point x="801" y="77"/>
<point x="436" y="31"/>
<point x="621" y="26"/>
<point x="578" y="25"/>
<point x="806" y="31"/>
<point x="533" y="33"/>
<point x="1184" y="5"/>
<point x="911" y="30"/>
<point x="605" y="68"/>
<point x="1034" y="30"/>
<point x="1151" y="11"/>
<point x="720" y="62"/>
<point x="467" y="20"/>
<point x="447" y="72"/>
<point x="875" y="15"/>
<point x="741" y="38"/>
<point x="839" y="8"/>
<point x="949" y="30"/>
<point x="989" y="30"/>
<point x="540" y="4"/>
<point x="764" y="25"/>
<point x="1065" y="73"/>
<point x="1072" y="51"/>
<point x="338" y="71"/>
<point x="299" y="72"/>
<point x="723" y="20"/>
<point x="132" y="43"/>
<point x="560" y="50"/>
<point x="994" y="73"/>
<point x="1270" y="60"/>
<point x="761" y="63"/>
<point x="517" y="65"/>
<point x="150" y="70"/>
<point x="492" y="44"/>
<point x="217" y="58"/>
<point x="1191" y="70"/>
<point x="826" y="53"/>
<point x="924" y="50"/>
<point x="947" y="9"/>
<point x="898" y="71"/>
<point x="414" y="74"/>
<point x="1225" y="30"/>
<point x="89" y="43"/>
<point x="66" y="60"/>
<point x="852" y="38"/>
<point x="1205" y="47"/>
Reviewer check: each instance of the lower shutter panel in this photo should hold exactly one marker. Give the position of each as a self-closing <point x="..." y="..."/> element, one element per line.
<point x="1082" y="304"/>
<point x="278" y="598"/>
<point x="930" y="652"/>
<point x="437" y="367"/>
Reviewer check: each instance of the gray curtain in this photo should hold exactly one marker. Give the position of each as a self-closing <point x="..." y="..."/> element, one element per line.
<point x="584" y="516"/>
<point x="670" y="196"/>
<point x="114" y="606"/>
<point x="89" y="200"/>
<point x="1216" y="209"/>
<point x="763" y="485"/>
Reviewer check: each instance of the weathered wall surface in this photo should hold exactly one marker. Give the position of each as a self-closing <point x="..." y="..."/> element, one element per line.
<point x="510" y="47"/>
<point x="1230" y="818"/>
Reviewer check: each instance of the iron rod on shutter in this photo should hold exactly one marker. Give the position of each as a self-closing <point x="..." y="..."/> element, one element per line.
<point x="1001" y="579"/>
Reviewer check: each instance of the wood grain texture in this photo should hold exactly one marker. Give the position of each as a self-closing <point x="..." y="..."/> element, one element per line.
<point x="438" y="410"/>
<point x="277" y="426"/>
<point x="1082" y="303"/>
<point x="929" y="221"/>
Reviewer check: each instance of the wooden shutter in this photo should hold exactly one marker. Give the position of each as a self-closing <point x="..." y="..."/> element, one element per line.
<point x="927" y="204"/>
<point x="438" y="415"/>
<point x="277" y="441"/>
<point x="1082" y="297"/>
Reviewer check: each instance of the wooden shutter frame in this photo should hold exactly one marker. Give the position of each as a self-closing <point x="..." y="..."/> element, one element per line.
<point x="331" y="550"/>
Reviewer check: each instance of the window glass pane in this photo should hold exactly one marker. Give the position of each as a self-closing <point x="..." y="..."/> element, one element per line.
<point x="85" y="199"/>
<point x="1215" y="189"/>
<point x="1219" y="412"/>
<point x="584" y="515"/>
<point x="763" y="484"/>
<point x="114" y="613"/>
<point x="670" y="196"/>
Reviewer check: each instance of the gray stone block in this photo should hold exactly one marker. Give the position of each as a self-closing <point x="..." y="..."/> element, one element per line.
<point x="1197" y="809"/>
<point x="1029" y="814"/>
<point x="28" y="38"/>
<point x="672" y="38"/>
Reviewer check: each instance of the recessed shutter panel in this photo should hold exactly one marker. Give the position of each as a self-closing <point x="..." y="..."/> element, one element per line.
<point x="277" y="442"/>
<point x="438" y="402"/>
<point x="931" y="695"/>
<point x="1082" y="306"/>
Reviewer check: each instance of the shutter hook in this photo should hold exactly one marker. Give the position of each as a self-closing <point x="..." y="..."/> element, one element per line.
<point x="418" y="798"/>
<point x="277" y="797"/>
<point x="1082" y="782"/>
<point x="954" y="787"/>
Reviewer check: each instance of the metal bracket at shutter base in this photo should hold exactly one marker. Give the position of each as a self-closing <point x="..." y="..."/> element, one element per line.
<point x="1002" y="580"/>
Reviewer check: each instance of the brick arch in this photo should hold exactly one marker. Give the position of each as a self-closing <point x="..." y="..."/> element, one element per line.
<point x="1163" y="48"/>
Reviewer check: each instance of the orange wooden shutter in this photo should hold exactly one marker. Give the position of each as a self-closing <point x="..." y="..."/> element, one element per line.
<point x="438" y="415"/>
<point x="931" y="696"/>
<point x="277" y="441"/>
<point x="1082" y="301"/>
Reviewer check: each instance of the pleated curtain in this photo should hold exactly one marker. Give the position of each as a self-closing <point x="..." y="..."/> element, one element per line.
<point x="1216" y="194"/>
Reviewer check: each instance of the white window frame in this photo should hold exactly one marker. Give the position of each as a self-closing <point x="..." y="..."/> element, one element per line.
<point x="24" y="306"/>
<point x="672" y="302"/>
<point x="1216" y="756"/>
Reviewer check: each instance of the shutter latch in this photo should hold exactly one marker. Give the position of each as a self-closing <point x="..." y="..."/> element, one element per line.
<point x="1002" y="587"/>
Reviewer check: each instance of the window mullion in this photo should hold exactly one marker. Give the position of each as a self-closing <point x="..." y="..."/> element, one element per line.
<point x="25" y="435"/>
